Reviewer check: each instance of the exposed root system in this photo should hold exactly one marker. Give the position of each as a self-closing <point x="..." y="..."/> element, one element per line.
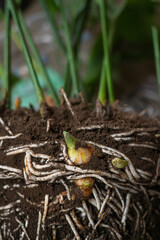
<point x="38" y="195"/>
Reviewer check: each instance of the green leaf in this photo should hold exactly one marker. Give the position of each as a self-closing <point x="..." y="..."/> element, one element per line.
<point x="28" y="96"/>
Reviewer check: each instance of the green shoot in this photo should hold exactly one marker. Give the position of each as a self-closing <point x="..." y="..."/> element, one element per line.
<point x="156" y="54"/>
<point x="106" y="51"/>
<point x="33" y="74"/>
<point x="70" y="53"/>
<point x="37" y="58"/>
<point x="69" y="139"/>
<point x="119" y="163"/>
<point x="102" y="86"/>
<point x="7" y="63"/>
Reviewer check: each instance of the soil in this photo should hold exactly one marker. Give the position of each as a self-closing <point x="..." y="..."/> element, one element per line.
<point x="128" y="198"/>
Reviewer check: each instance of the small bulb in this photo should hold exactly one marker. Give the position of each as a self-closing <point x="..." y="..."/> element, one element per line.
<point x="77" y="156"/>
<point x="119" y="163"/>
<point x="80" y="156"/>
<point x="85" y="185"/>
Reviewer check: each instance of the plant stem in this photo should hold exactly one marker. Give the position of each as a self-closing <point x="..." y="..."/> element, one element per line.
<point x="67" y="80"/>
<point x="102" y="85"/>
<point x="7" y="60"/>
<point x="37" y="58"/>
<point x="156" y="54"/>
<point x="33" y="74"/>
<point x="78" y="28"/>
<point x="106" y="51"/>
<point x="70" y="54"/>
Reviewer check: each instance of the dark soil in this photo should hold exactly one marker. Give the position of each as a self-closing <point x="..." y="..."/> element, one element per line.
<point x="22" y="197"/>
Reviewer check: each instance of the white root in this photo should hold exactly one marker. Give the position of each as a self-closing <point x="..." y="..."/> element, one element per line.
<point x="46" y="202"/>
<point x="144" y="172"/>
<point x="33" y="171"/>
<point x="10" y="137"/>
<point x="114" y="152"/>
<point x="24" y="150"/>
<point x="39" y="225"/>
<point x="88" y="214"/>
<point x="10" y="205"/>
<point x="157" y="170"/>
<point x="123" y="138"/>
<point x="23" y="228"/>
<point x="112" y="230"/>
<point x="64" y="150"/>
<point x="98" y="201"/>
<point x="92" y="127"/>
<point x="5" y="126"/>
<point x="120" y="197"/>
<point x="142" y="145"/>
<point x="75" y="219"/>
<point x="72" y="227"/>
<point x="50" y="177"/>
<point x="46" y="165"/>
<point x="32" y="145"/>
<point x="136" y="130"/>
<point x="48" y="124"/>
<point x="68" y="104"/>
<point x="100" y="214"/>
<point x="11" y="169"/>
<point x="29" y="201"/>
<point x="137" y="219"/>
<point x="125" y="212"/>
<point x="100" y="173"/>
<point x="26" y="225"/>
<point x="54" y="232"/>
<point x="92" y="176"/>
<point x="67" y="189"/>
<point x="148" y="160"/>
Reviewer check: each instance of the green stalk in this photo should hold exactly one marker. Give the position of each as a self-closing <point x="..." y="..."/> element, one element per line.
<point x="33" y="74"/>
<point x="7" y="59"/>
<point x="53" y="24"/>
<point x="77" y="33"/>
<point x="78" y="28"/>
<point x="70" y="54"/>
<point x="102" y="85"/>
<point x="156" y="54"/>
<point x="67" y="80"/>
<point x="37" y="57"/>
<point x="106" y="50"/>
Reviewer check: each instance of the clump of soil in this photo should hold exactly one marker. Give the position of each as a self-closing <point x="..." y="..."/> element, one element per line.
<point x="38" y="195"/>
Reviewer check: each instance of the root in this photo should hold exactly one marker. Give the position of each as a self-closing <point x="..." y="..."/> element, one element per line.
<point x="111" y="198"/>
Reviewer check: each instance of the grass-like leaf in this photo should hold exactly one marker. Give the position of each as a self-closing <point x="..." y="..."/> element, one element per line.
<point x="156" y="54"/>
<point x="106" y="50"/>
<point x="70" y="53"/>
<point x="102" y="85"/>
<point x="7" y="62"/>
<point x="33" y="74"/>
<point x="37" y="58"/>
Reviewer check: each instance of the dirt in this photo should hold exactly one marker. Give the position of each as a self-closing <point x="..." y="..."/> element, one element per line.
<point x="139" y="143"/>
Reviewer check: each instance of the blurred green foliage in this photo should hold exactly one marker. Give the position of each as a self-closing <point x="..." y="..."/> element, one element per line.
<point x="129" y="32"/>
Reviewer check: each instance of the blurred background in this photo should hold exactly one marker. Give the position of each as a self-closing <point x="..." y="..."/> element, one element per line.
<point x="130" y="43"/>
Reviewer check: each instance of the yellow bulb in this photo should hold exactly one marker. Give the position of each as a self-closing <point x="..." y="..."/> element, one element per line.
<point x="79" y="156"/>
<point x="85" y="185"/>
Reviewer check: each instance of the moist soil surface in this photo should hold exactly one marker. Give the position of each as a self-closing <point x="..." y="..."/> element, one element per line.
<point x="39" y="197"/>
